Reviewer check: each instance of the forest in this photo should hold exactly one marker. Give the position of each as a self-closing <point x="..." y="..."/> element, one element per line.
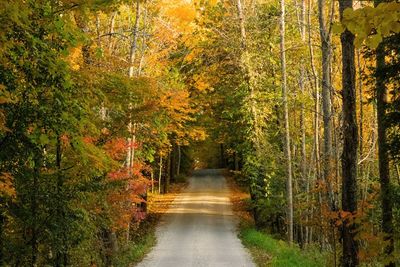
<point x="104" y="101"/>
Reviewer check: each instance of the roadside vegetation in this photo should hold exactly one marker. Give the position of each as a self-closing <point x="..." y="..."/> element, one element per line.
<point x="268" y="250"/>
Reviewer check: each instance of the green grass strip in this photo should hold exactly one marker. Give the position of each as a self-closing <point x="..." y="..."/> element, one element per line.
<point x="268" y="251"/>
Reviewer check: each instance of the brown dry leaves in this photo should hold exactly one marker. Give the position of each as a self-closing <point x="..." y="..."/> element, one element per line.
<point x="159" y="204"/>
<point x="239" y="198"/>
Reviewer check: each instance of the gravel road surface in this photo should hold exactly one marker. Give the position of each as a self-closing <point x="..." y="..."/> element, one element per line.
<point x="199" y="228"/>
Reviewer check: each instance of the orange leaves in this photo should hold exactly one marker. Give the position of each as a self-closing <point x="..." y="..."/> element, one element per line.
<point x="6" y="186"/>
<point x="177" y="105"/>
<point x="180" y="13"/>
<point x="183" y="13"/>
<point x="116" y="148"/>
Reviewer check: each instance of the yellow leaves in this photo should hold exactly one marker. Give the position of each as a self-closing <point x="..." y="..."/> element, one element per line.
<point x="371" y="25"/>
<point x="75" y="58"/>
<point x="213" y="2"/>
<point x="201" y="84"/>
<point x="185" y="13"/>
<point x="207" y="78"/>
<point x="192" y="55"/>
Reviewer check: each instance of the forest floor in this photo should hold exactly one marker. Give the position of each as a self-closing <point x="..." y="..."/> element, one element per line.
<point x="266" y="250"/>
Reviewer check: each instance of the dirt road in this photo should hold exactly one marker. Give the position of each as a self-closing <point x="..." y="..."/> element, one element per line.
<point x="199" y="228"/>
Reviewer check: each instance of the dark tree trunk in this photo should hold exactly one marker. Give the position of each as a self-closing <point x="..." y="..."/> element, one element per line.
<point x="61" y="258"/>
<point x="2" y="222"/>
<point x="34" y="209"/>
<point x="222" y="157"/>
<point x="384" y="175"/>
<point x="350" y="143"/>
<point x="173" y="166"/>
<point x="167" y="174"/>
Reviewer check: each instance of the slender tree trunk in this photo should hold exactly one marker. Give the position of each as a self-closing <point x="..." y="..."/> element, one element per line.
<point x="172" y="168"/>
<point x="350" y="142"/>
<point x="302" y="78"/>
<point x="132" y="55"/>
<point x="326" y="101"/>
<point x="178" y="167"/>
<point x="112" y="26"/>
<point x="384" y="173"/>
<point x="241" y="23"/>
<point x="289" y="193"/>
<point x="152" y="182"/>
<point x="144" y="39"/>
<point x="128" y="155"/>
<point x="360" y="97"/>
<point x="98" y="30"/>
<point x="167" y="174"/>
<point x="316" y="93"/>
<point x="160" y="174"/>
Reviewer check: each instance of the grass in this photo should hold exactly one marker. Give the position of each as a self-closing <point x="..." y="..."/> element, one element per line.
<point x="141" y="244"/>
<point x="267" y="251"/>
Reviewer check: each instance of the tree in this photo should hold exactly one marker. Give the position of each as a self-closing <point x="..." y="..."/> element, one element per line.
<point x="384" y="171"/>
<point x="350" y="143"/>
<point x="287" y="148"/>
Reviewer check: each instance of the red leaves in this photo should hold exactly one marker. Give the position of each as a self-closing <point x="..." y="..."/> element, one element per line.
<point x="116" y="148"/>
<point x="125" y="201"/>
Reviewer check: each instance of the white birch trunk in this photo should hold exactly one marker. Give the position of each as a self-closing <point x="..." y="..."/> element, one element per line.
<point x="289" y="193"/>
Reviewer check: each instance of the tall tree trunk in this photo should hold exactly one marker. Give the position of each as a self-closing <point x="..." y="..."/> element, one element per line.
<point x="384" y="173"/>
<point x="316" y="93"/>
<point x="350" y="142"/>
<point x="302" y="78"/>
<point x="132" y="55"/>
<point x="326" y="101"/>
<point x="289" y="193"/>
